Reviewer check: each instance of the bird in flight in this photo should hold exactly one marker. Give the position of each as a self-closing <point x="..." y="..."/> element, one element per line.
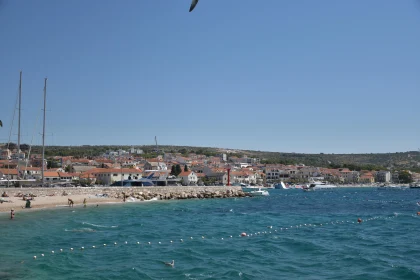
<point x="193" y="4"/>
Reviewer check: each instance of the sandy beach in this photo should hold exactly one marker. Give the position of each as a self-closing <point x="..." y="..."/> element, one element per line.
<point x="43" y="198"/>
<point x="43" y="202"/>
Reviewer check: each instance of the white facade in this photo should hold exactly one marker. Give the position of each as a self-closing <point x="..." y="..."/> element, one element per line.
<point x="111" y="176"/>
<point x="190" y="178"/>
<point x="383" y="176"/>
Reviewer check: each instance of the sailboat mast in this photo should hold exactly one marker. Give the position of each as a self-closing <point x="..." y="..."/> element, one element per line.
<point x="43" y="131"/>
<point x="20" y="102"/>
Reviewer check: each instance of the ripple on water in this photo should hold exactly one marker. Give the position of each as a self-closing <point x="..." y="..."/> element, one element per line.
<point x="379" y="248"/>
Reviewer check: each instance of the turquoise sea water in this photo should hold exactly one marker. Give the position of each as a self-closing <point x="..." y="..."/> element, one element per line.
<point x="384" y="246"/>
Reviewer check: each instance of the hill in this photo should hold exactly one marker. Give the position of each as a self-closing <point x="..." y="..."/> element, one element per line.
<point x="394" y="161"/>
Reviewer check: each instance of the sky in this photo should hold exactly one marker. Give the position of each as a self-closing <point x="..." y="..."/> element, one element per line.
<point x="300" y="76"/>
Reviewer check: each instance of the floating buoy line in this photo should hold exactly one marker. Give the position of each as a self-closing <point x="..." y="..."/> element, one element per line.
<point x="267" y="231"/>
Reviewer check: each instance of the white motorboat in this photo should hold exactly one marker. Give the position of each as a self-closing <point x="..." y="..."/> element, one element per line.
<point x="392" y="187"/>
<point x="281" y="185"/>
<point x="249" y="188"/>
<point x="317" y="185"/>
<point x="259" y="192"/>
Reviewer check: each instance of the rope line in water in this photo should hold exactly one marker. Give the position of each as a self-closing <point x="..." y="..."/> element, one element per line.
<point x="271" y="230"/>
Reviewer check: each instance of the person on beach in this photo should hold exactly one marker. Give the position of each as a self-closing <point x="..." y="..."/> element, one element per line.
<point x="84" y="202"/>
<point x="71" y="202"/>
<point x="12" y="214"/>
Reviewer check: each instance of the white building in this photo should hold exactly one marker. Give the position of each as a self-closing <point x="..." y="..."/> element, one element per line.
<point x="383" y="176"/>
<point x="188" y="177"/>
<point x="109" y="176"/>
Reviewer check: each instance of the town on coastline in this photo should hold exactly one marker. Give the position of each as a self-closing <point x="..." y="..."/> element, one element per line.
<point x="114" y="167"/>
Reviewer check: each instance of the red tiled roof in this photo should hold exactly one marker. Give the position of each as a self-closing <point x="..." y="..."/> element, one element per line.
<point x="7" y="171"/>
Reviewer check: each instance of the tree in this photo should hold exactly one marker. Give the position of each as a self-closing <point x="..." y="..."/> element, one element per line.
<point x="178" y="169"/>
<point x="12" y="146"/>
<point x="52" y="164"/>
<point x="173" y="170"/>
<point x="68" y="168"/>
<point x="405" y="177"/>
<point x="24" y="147"/>
<point x="185" y="168"/>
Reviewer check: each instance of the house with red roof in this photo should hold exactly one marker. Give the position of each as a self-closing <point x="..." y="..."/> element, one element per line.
<point x="188" y="177"/>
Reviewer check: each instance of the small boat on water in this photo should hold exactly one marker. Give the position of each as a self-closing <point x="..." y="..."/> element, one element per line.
<point x="392" y="187"/>
<point x="280" y="185"/>
<point x="259" y="192"/>
<point x="317" y="185"/>
<point x="248" y="188"/>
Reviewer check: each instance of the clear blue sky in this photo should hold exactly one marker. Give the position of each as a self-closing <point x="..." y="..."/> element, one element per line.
<point x="291" y="76"/>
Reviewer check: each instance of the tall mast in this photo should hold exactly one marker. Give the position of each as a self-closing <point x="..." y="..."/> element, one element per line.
<point x="157" y="153"/>
<point x="20" y="102"/>
<point x="43" y="130"/>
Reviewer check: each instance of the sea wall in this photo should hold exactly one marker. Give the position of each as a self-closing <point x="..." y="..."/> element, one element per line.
<point x="142" y="193"/>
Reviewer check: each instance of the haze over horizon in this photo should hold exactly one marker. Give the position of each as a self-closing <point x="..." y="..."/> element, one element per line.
<point x="287" y="76"/>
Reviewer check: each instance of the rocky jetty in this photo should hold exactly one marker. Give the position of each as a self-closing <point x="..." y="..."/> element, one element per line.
<point x="139" y="193"/>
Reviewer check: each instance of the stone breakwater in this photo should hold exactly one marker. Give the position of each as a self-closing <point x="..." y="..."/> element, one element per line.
<point x="140" y="193"/>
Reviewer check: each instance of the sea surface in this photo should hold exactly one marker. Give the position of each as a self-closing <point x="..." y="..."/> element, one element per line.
<point x="291" y="235"/>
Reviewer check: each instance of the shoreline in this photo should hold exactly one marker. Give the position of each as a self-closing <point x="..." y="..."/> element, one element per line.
<point x="52" y="198"/>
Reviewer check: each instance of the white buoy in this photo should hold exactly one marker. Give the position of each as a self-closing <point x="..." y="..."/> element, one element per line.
<point x="71" y="249"/>
<point x="138" y="242"/>
<point x="171" y="241"/>
<point x="52" y="252"/>
<point x="82" y="248"/>
<point x="202" y="237"/>
<point x="231" y="236"/>
<point x="181" y="240"/>
<point x="125" y="242"/>
<point x="159" y="242"/>
<point x="42" y="255"/>
<point x="93" y="246"/>
<point x="115" y="243"/>
<point x="222" y="238"/>
<point x="191" y="237"/>
<point x="35" y="257"/>
<point x="104" y="244"/>
<point x="61" y="250"/>
<point x="150" y="243"/>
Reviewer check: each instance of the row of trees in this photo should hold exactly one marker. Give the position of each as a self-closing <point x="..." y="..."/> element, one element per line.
<point x="176" y="169"/>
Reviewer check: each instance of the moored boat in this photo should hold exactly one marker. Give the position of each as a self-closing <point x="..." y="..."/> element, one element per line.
<point x="317" y="185"/>
<point x="259" y="192"/>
